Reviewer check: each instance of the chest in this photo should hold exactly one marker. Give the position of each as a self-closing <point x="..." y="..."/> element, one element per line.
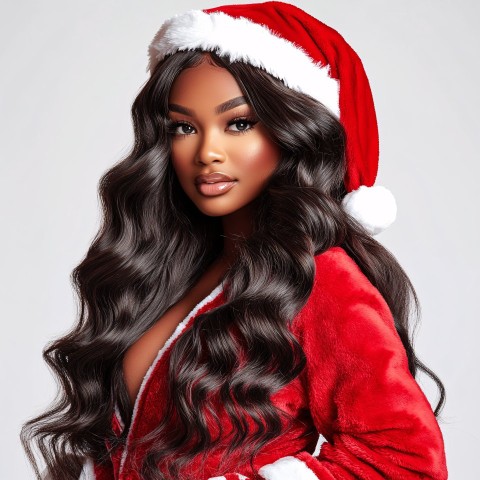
<point x="141" y="354"/>
<point x="150" y="402"/>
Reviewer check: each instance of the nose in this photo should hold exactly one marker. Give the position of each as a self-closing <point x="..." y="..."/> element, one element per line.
<point x="210" y="148"/>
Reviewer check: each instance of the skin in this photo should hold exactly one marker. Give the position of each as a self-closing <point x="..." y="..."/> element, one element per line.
<point x="206" y="141"/>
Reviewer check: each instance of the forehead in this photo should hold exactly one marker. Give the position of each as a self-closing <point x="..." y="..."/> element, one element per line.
<point x="204" y="85"/>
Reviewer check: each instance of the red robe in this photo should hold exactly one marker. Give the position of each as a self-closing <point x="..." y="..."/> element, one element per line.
<point x="372" y="418"/>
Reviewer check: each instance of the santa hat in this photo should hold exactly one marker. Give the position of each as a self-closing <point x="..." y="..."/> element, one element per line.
<point x="308" y="56"/>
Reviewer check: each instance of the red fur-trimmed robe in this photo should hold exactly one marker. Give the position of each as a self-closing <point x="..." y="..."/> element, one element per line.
<point x="372" y="418"/>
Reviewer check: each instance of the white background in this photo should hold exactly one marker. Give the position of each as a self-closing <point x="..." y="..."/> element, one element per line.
<point x="69" y="74"/>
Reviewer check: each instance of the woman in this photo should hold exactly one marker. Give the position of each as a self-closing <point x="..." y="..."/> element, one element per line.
<point x="238" y="319"/>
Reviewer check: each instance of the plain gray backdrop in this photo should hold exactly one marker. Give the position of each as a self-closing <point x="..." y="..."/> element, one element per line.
<point x="69" y="74"/>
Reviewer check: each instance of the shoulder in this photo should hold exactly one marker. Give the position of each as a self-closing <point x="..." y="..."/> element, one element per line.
<point x="335" y="264"/>
<point x="342" y="292"/>
<point x="347" y="316"/>
<point x="337" y="273"/>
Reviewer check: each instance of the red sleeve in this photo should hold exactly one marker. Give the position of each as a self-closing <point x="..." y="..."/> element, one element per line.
<point x="362" y="397"/>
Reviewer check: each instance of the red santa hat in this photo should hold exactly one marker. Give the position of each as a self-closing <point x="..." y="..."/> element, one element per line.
<point x="308" y="56"/>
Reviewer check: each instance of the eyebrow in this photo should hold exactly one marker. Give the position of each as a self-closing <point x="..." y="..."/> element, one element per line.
<point x="222" y="108"/>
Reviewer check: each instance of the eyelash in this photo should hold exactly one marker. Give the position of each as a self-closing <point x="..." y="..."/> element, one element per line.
<point x="172" y="126"/>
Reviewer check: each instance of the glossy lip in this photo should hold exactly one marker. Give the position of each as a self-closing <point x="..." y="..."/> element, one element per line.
<point x="215" y="188"/>
<point x="213" y="177"/>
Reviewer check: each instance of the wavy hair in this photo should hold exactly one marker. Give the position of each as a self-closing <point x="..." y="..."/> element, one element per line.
<point x="151" y="248"/>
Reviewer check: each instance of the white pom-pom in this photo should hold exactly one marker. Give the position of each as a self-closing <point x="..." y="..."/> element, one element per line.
<point x="374" y="207"/>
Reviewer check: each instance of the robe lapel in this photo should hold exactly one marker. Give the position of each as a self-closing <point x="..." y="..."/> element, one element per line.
<point x="149" y="406"/>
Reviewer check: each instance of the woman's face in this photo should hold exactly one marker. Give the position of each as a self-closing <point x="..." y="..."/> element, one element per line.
<point x="215" y="130"/>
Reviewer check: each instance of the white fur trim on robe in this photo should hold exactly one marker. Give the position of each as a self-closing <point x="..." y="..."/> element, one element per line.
<point x="239" y="476"/>
<point x="287" y="467"/>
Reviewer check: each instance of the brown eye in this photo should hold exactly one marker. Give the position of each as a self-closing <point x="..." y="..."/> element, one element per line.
<point x="241" y="125"/>
<point x="180" y="128"/>
<point x="184" y="129"/>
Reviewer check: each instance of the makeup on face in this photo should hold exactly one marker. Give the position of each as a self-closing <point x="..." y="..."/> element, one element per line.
<point x="215" y="183"/>
<point x="222" y="155"/>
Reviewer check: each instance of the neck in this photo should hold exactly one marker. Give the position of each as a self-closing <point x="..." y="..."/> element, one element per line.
<point x="237" y="225"/>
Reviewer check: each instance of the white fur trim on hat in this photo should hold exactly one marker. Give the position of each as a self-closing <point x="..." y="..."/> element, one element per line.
<point x="246" y="41"/>
<point x="287" y="468"/>
<point x="374" y="207"/>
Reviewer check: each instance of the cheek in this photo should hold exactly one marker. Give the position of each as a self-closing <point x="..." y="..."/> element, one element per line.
<point x="259" y="156"/>
<point x="180" y="158"/>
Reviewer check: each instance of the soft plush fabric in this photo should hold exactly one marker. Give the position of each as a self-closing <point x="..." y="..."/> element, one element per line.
<point x="356" y="391"/>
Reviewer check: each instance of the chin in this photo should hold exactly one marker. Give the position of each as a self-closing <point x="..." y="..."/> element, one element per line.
<point x="215" y="211"/>
<point x="217" y="206"/>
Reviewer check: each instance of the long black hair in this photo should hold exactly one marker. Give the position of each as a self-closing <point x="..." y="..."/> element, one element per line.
<point x="152" y="247"/>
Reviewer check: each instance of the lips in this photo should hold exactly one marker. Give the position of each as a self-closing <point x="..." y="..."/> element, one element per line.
<point x="214" y="177"/>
